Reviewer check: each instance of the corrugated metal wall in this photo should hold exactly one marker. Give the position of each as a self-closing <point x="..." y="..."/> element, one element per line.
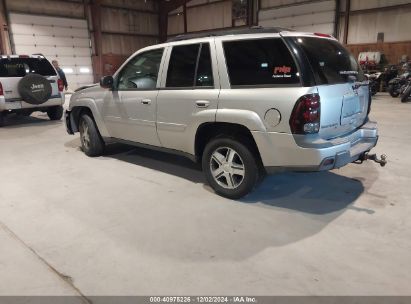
<point x="127" y="25"/>
<point x="129" y="28"/>
<point x="202" y="15"/>
<point x="364" y="26"/>
<point x="317" y="16"/>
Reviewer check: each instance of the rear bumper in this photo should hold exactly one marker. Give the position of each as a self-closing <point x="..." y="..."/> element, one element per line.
<point x="56" y="100"/>
<point x="285" y="152"/>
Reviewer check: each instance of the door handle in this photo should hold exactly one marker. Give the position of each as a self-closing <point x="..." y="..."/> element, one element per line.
<point x="202" y="103"/>
<point x="146" y="101"/>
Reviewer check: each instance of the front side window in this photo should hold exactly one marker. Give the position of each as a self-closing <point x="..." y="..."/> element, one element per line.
<point x="262" y="62"/>
<point x="141" y="72"/>
<point x="190" y="66"/>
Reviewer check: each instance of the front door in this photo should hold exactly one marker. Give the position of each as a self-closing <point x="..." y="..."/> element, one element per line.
<point x="130" y="112"/>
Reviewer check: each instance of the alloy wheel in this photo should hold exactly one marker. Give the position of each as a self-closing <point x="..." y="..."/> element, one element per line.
<point x="227" y="167"/>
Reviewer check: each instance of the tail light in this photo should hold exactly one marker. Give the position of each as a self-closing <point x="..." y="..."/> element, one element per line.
<point x="60" y="85"/>
<point x="305" y="118"/>
<point x="1" y="90"/>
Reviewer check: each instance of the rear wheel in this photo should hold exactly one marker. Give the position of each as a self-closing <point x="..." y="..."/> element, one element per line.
<point x="55" y="113"/>
<point x="91" y="140"/>
<point x="231" y="167"/>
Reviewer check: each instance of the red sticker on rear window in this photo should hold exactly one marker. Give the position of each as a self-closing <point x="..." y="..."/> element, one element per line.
<point x="284" y="69"/>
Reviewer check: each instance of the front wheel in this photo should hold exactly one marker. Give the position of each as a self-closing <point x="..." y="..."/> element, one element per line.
<point x="406" y="94"/>
<point x="91" y="141"/>
<point x="231" y="167"/>
<point x="55" y="113"/>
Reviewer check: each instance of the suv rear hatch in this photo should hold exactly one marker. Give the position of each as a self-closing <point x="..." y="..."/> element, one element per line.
<point x="344" y="95"/>
<point x="14" y="68"/>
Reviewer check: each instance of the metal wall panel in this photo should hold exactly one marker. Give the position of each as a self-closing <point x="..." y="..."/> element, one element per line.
<point x="279" y="3"/>
<point x="175" y="24"/>
<point x="211" y="16"/>
<point x="316" y="16"/>
<point x="149" y="5"/>
<point x="395" y="25"/>
<point x="129" y="21"/>
<point x="73" y="9"/>
<point x="125" y="45"/>
<point x="66" y="40"/>
<point x="361" y="4"/>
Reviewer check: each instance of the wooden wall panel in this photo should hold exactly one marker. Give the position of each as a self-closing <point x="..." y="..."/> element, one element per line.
<point x="393" y="51"/>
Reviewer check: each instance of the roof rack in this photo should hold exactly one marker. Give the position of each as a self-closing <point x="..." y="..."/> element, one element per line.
<point x="239" y="31"/>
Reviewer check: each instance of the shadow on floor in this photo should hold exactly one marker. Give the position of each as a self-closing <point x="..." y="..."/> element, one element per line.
<point x="314" y="193"/>
<point x="286" y="208"/>
<point x="14" y="121"/>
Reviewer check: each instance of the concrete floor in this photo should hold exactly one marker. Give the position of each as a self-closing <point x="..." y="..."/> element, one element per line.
<point x="136" y="222"/>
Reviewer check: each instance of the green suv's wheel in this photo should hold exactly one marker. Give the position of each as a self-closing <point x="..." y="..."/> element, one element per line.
<point x="55" y="113"/>
<point x="2" y="119"/>
<point x="230" y="166"/>
<point x="91" y="141"/>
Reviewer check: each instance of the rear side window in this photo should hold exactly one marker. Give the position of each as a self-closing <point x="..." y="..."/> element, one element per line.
<point x="330" y="61"/>
<point x="20" y="67"/>
<point x="190" y="65"/>
<point x="262" y="62"/>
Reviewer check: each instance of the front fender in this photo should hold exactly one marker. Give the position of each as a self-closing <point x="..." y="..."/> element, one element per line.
<point x="78" y="103"/>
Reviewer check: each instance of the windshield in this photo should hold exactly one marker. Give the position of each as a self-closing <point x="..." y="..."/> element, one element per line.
<point x="20" y="67"/>
<point x="330" y="61"/>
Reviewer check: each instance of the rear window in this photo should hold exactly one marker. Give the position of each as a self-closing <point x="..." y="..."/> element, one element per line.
<point x="20" y="67"/>
<point x="263" y="62"/>
<point x="330" y="61"/>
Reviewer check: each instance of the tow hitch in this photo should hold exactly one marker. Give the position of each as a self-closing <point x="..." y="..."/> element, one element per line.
<point x="382" y="161"/>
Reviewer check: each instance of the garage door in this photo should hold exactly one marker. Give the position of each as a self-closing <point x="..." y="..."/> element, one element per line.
<point x="307" y="17"/>
<point x="64" y="39"/>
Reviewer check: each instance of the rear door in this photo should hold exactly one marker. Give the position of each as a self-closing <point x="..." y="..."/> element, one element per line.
<point x="341" y="85"/>
<point x="189" y="94"/>
<point x="13" y="69"/>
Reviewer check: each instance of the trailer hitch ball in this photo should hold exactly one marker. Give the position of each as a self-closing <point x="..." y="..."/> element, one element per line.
<point x="382" y="161"/>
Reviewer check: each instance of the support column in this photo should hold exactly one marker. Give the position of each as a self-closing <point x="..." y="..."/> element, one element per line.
<point x="95" y="12"/>
<point x="5" y="47"/>
<point x="347" y="20"/>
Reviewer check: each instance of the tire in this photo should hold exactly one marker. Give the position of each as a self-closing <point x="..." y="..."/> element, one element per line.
<point x="244" y="161"/>
<point x="34" y="89"/>
<point x="2" y="119"/>
<point x="91" y="141"/>
<point x="392" y="91"/>
<point x="55" y="113"/>
<point x="406" y="94"/>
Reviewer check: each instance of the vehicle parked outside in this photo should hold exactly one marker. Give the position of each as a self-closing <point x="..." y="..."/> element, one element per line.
<point x="29" y="84"/>
<point x="243" y="103"/>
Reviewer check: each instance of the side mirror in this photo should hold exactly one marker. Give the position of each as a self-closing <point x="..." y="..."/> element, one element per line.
<point x="107" y="82"/>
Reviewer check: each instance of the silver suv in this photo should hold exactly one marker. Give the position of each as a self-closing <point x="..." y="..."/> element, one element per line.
<point x="28" y="84"/>
<point x="244" y="103"/>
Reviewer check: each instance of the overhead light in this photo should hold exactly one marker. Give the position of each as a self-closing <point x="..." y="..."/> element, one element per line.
<point x="68" y="70"/>
<point x="84" y="70"/>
